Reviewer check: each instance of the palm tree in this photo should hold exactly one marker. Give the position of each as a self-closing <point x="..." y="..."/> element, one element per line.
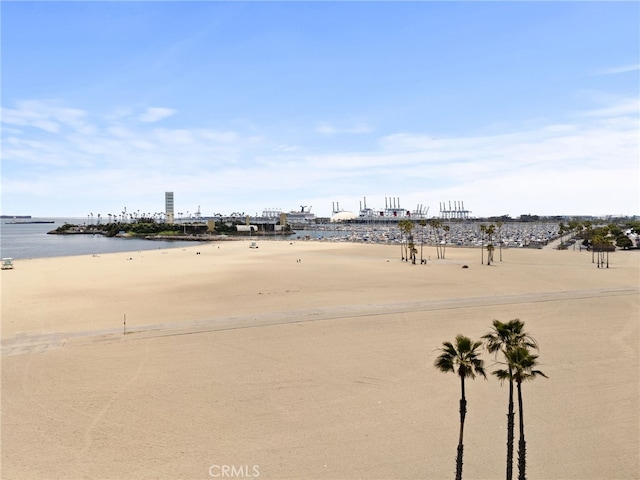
<point x="601" y="243"/>
<point x="499" y="226"/>
<point x="409" y="244"/>
<point x="504" y="337"/>
<point x="405" y="226"/>
<point x="490" y="230"/>
<point x="461" y="358"/>
<point x="435" y="225"/>
<point x="483" y="229"/>
<point x="423" y="223"/>
<point x="443" y="244"/>
<point x="401" y="228"/>
<point x="520" y="368"/>
<point x="412" y="251"/>
<point x="490" y="249"/>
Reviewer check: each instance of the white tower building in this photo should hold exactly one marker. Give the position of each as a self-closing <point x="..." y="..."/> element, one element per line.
<point x="168" y="206"/>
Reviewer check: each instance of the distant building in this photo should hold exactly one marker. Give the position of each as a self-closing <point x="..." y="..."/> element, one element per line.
<point x="343" y="216"/>
<point x="168" y="206"/>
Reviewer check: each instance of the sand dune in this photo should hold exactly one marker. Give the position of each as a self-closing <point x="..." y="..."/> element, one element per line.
<point x="308" y="360"/>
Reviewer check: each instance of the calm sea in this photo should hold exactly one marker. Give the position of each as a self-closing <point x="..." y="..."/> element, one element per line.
<point x="30" y="240"/>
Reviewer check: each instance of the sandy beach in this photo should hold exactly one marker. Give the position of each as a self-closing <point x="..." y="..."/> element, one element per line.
<point x="311" y="360"/>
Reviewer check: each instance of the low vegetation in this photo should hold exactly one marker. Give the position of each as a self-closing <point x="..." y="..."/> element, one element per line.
<point x="140" y="228"/>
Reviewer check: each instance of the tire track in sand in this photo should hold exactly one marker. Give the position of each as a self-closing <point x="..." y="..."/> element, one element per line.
<point x="38" y="343"/>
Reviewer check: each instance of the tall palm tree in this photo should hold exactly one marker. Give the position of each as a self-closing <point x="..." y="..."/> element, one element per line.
<point x="601" y="243"/>
<point x="490" y="249"/>
<point x="520" y="368"/>
<point x="504" y="337"/>
<point x="410" y="244"/>
<point x="412" y="251"/>
<point x="462" y="358"/>
<point x="483" y="229"/>
<point x="423" y="223"/>
<point x="443" y="244"/>
<point x="435" y="225"/>
<point x="406" y="226"/>
<point x="490" y="230"/>
<point x="499" y="227"/>
<point x="402" y="230"/>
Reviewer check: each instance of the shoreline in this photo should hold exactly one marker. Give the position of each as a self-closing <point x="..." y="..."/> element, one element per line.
<point x="461" y="235"/>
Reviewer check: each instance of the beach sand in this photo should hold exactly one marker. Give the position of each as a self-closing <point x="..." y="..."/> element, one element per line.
<point x="309" y="360"/>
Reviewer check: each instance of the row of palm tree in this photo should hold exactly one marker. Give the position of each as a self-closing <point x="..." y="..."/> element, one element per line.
<point x="128" y="217"/>
<point x="518" y="365"/>
<point x="487" y="230"/>
<point x="408" y="249"/>
<point x="440" y="234"/>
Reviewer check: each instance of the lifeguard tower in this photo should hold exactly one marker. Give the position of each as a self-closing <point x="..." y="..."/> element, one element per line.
<point x="7" y="263"/>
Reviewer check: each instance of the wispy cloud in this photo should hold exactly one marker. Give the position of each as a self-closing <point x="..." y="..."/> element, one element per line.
<point x="47" y="116"/>
<point x="629" y="106"/>
<point x="326" y="128"/>
<point x="155" y="114"/>
<point x="621" y="69"/>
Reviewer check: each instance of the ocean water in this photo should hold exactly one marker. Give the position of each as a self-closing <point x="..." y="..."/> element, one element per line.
<point x="30" y="240"/>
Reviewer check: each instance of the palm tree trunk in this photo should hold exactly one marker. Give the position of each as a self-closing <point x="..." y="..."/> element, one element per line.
<point x="522" y="445"/>
<point x="510" y="429"/>
<point x="463" y="413"/>
<point x="459" y="462"/>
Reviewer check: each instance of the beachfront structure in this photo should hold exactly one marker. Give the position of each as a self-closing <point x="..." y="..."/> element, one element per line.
<point x="168" y="206"/>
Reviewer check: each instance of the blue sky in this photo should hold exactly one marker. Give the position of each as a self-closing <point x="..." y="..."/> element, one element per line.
<point x="510" y="107"/>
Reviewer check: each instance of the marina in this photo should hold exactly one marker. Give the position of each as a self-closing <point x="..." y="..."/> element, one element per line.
<point x="460" y="234"/>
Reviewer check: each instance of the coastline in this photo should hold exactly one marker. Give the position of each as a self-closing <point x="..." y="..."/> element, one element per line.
<point x="311" y="360"/>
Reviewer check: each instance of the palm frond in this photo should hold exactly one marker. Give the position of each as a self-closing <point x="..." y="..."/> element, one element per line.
<point x="502" y="375"/>
<point x="522" y="363"/>
<point x="461" y="357"/>
<point x="505" y="336"/>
